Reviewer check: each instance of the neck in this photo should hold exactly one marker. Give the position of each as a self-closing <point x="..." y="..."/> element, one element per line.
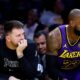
<point x="10" y="46"/>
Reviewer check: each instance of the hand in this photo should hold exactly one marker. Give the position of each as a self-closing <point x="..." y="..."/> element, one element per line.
<point x="21" y="46"/>
<point x="13" y="78"/>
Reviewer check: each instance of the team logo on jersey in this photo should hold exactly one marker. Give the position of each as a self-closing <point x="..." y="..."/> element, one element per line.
<point x="65" y="46"/>
<point x="67" y="54"/>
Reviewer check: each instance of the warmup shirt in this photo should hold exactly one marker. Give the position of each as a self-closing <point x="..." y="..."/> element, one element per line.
<point x="68" y="57"/>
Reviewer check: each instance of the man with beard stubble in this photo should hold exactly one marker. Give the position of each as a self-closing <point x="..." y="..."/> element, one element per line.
<point x="17" y="60"/>
<point x="64" y="43"/>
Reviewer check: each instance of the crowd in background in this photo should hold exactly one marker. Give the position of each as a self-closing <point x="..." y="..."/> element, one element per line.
<point x="37" y="14"/>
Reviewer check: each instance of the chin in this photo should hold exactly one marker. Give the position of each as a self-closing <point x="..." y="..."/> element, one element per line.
<point x="16" y="45"/>
<point x="44" y="52"/>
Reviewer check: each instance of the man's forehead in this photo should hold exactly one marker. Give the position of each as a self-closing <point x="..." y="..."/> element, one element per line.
<point x="17" y="31"/>
<point x="40" y="40"/>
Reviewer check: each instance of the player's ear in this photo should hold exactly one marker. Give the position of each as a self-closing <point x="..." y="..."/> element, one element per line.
<point x="8" y="37"/>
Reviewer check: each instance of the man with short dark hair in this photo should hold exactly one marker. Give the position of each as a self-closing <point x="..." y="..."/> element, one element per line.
<point x="40" y="39"/>
<point x="16" y="55"/>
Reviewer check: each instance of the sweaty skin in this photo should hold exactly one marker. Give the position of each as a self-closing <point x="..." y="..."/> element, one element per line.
<point x="54" y="41"/>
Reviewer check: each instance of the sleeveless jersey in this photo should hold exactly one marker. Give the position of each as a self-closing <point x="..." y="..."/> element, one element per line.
<point x="68" y="54"/>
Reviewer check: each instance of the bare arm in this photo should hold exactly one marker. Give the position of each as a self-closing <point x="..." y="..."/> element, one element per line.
<point x="54" y="41"/>
<point x="54" y="44"/>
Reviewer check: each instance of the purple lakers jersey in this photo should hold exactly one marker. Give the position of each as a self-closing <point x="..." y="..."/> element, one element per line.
<point x="68" y="54"/>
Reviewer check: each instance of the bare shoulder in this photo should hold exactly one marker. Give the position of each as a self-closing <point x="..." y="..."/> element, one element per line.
<point x="54" y="40"/>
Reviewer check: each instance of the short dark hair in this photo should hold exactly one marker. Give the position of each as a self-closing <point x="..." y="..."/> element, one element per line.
<point x="9" y="25"/>
<point x="39" y="33"/>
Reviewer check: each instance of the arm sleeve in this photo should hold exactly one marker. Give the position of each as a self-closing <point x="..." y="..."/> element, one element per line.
<point x="28" y="67"/>
<point x="28" y="62"/>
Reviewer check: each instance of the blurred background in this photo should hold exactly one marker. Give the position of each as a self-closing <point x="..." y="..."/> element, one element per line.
<point x="36" y="14"/>
<point x="18" y="9"/>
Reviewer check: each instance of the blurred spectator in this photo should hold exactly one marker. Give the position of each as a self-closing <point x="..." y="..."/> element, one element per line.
<point x="52" y="15"/>
<point x="42" y="27"/>
<point x="31" y="24"/>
